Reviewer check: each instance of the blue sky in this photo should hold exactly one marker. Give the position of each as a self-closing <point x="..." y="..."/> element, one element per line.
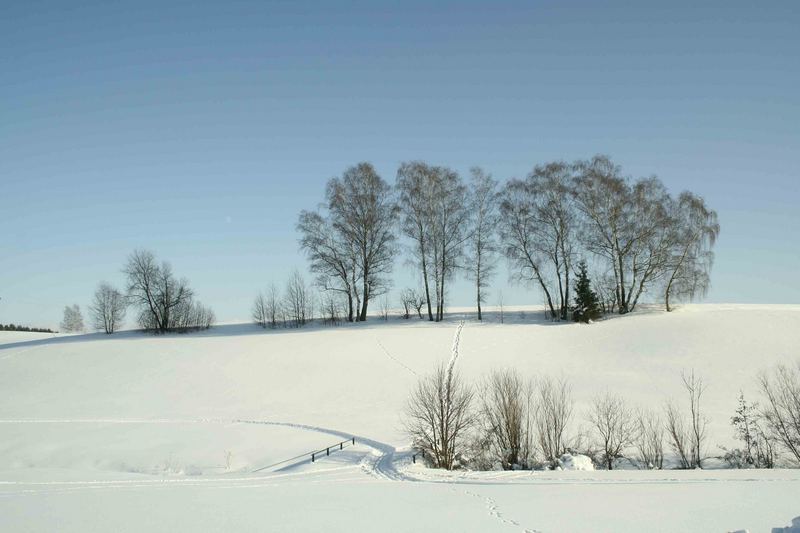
<point x="200" y="130"/>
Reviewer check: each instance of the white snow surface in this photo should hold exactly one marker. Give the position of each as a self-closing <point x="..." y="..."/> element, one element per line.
<point x="134" y="432"/>
<point x="575" y="462"/>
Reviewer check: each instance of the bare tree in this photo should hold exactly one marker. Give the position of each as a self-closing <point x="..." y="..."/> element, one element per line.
<point x="482" y="241"/>
<point x="259" y="312"/>
<point x="362" y="211"/>
<point x="695" y="229"/>
<point x="615" y="426"/>
<point x="553" y="414"/>
<point x="449" y="231"/>
<point x="108" y="308"/>
<point x="439" y="414"/>
<point x="414" y="185"/>
<point x="539" y="231"/>
<point x="781" y="390"/>
<point x="163" y="300"/>
<point x="506" y="414"/>
<point x="73" y="319"/>
<point x="687" y="438"/>
<point x="297" y="300"/>
<point x="330" y="308"/>
<point x="434" y="203"/>
<point x="649" y="440"/>
<point x="627" y="225"/>
<point x="384" y="309"/>
<point x="759" y="445"/>
<point x="500" y="307"/>
<point x="333" y="257"/>
<point x="407" y="300"/>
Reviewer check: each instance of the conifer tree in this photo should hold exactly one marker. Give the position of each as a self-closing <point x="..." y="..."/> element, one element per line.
<point x="587" y="306"/>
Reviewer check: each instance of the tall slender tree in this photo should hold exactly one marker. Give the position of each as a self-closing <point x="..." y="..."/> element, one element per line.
<point x="482" y="243"/>
<point x="414" y="185"/>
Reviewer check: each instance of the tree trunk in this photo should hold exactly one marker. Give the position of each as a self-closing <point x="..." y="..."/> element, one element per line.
<point x="427" y="287"/>
<point x="365" y="299"/>
<point x="480" y="317"/>
<point x="349" y="306"/>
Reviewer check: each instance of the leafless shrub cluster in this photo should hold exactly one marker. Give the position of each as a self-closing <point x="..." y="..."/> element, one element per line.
<point x="507" y="411"/>
<point x="411" y="300"/>
<point x="267" y="308"/>
<point x="553" y="414"/>
<point x="294" y="308"/>
<point x="649" y="440"/>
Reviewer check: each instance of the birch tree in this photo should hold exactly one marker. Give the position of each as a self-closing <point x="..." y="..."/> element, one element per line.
<point x="696" y="228"/>
<point x="482" y="243"/>
<point x="362" y="212"/>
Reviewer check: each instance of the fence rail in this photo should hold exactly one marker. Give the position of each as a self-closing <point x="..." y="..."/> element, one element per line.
<point x="314" y="454"/>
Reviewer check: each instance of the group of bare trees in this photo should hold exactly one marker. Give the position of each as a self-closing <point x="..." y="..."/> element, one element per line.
<point x="165" y="303"/>
<point x="295" y="307"/>
<point x="506" y="420"/>
<point x="639" y="238"/>
<point x="351" y="243"/>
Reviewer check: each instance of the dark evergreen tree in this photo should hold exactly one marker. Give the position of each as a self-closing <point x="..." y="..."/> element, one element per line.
<point x="587" y="305"/>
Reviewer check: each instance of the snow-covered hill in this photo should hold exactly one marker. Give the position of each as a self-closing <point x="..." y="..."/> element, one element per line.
<point x="107" y="419"/>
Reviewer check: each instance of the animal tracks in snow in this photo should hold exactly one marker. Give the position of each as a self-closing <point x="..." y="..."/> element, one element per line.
<point x="493" y="510"/>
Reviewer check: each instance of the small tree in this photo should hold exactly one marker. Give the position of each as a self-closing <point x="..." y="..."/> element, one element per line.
<point x="587" y="305"/>
<point x="507" y="418"/>
<point x="649" y="440"/>
<point x="553" y="414"/>
<point x="758" y="449"/>
<point x="439" y="413"/>
<point x="73" y="320"/>
<point x="781" y="389"/>
<point x="108" y="308"/>
<point x="687" y="438"/>
<point x="615" y="426"/>
<point x="259" y="313"/>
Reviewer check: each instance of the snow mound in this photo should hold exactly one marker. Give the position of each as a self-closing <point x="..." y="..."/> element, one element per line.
<point x="575" y="462"/>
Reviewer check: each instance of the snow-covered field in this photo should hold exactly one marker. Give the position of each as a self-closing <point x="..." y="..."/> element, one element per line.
<point x="139" y="433"/>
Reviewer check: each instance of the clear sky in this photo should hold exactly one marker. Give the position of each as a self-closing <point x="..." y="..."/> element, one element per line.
<point x="200" y="130"/>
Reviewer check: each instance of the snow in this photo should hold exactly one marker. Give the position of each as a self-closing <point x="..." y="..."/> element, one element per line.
<point x="575" y="462"/>
<point x="133" y="432"/>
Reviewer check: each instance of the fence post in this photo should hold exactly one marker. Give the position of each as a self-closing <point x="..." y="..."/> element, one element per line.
<point x="312" y="457"/>
<point x="327" y="451"/>
<point x="340" y="445"/>
<point x="414" y="458"/>
<point x="354" y="441"/>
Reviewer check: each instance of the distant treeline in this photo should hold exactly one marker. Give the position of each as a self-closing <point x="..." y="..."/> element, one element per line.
<point x="15" y="327"/>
